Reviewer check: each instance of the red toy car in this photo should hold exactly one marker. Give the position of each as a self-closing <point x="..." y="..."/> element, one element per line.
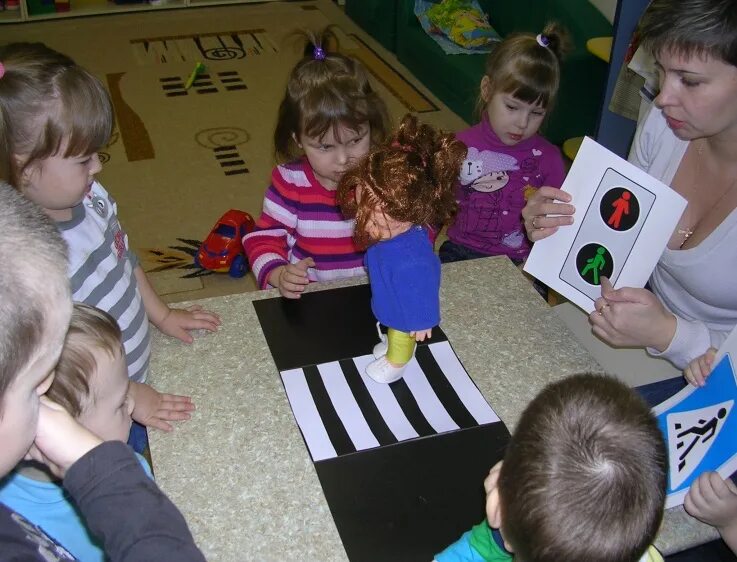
<point x="222" y="250"/>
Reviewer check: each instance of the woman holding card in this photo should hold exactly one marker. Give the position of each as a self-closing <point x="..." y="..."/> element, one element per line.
<point x="688" y="140"/>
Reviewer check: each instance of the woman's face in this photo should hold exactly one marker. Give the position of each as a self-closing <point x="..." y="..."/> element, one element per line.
<point x="698" y="95"/>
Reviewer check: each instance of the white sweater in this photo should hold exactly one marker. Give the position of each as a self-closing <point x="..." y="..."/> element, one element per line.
<point x="696" y="284"/>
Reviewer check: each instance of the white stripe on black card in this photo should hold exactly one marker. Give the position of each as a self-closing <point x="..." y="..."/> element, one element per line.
<point x="440" y="398"/>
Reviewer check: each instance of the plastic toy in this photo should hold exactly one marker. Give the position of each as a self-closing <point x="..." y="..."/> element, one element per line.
<point x="222" y="250"/>
<point x="199" y="68"/>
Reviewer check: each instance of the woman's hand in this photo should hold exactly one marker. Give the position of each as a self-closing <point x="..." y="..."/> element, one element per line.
<point x="629" y="317"/>
<point x="545" y="211"/>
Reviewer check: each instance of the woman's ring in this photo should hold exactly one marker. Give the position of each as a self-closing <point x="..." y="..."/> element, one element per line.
<point x="534" y="226"/>
<point x="601" y="310"/>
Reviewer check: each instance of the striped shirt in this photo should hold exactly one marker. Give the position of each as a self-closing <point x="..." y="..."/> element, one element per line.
<point x="301" y="219"/>
<point x="101" y="271"/>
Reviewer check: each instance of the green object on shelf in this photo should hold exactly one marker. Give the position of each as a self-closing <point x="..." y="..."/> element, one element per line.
<point x="36" y="7"/>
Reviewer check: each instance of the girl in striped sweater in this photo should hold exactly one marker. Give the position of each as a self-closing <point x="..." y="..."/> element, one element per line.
<point x="329" y="119"/>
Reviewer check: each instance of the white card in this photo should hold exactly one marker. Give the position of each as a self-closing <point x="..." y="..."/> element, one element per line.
<point x="623" y="221"/>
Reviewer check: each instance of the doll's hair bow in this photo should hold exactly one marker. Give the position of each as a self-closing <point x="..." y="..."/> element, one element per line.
<point x="408" y="148"/>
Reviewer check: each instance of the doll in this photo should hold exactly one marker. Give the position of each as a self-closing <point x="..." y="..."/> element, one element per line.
<point x="397" y="193"/>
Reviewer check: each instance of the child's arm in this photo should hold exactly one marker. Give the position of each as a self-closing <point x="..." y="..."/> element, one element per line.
<point x="267" y="247"/>
<point x="175" y="322"/>
<point x="154" y="409"/>
<point x="714" y="501"/>
<point x="698" y="369"/>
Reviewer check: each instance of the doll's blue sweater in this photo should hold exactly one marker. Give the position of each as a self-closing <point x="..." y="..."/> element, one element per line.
<point x="405" y="281"/>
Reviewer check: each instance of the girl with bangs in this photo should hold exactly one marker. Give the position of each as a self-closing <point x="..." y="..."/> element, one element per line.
<point x="328" y="120"/>
<point x="54" y="117"/>
<point x="507" y="158"/>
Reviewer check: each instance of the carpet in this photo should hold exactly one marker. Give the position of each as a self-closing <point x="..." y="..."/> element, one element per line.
<point x="179" y="158"/>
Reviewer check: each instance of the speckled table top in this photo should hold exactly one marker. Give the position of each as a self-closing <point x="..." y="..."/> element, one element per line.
<point x="240" y="471"/>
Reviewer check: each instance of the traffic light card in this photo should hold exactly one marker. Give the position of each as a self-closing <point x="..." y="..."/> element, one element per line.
<point x="623" y="221"/>
<point x="700" y="426"/>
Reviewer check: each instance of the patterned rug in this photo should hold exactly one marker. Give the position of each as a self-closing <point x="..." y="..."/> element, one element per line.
<point x="179" y="158"/>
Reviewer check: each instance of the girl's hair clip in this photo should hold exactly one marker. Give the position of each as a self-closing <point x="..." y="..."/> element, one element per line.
<point x="2" y="70"/>
<point x="542" y="40"/>
<point x="318" y="53"/>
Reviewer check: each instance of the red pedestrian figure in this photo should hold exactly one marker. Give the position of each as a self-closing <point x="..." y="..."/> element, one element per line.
<point x="621" y="207"/>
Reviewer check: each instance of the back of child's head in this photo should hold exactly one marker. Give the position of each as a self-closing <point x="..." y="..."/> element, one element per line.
<point x="584" y="476"/>
<point x="410" y="177"/>
<point x="90" y="330"/>
<point x="33" y="281"/>
<point x="527" y="67"/>
<point x="49" y="105"/>
<point x="326" y="90"/>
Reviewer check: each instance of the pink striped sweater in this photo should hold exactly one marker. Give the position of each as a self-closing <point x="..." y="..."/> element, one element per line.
<point x="301" y="219"/>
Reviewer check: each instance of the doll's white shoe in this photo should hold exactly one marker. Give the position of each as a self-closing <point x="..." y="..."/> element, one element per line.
<point x="381" y="347"/>
<point x="384" y="372"/>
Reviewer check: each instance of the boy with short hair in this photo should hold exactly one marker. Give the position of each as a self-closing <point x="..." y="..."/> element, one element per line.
<point x="114" y="495"/>
<point x="583" y="479"/>
<point x="91" y="383"/>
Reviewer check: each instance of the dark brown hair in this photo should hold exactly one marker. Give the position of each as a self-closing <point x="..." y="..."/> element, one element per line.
<point x="326" y="93"/>
<point x="584" y="476"/>
<point x="89" y="329"/>
<point x="691" y="27"/>
<point x="46" y="101"/>
<point x="410" y="177"/>
<point x="524" y="68"/>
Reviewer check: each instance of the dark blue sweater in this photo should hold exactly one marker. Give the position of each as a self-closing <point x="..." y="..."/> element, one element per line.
<point x="405" y="281"/>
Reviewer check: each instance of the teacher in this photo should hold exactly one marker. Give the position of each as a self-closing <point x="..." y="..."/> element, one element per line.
<point x="688" y="140"/>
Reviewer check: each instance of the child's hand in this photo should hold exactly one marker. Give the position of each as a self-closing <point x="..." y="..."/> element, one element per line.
<point x="60" y="439"/>
<point x="178" y="322"/>
<point x="154" y="409"/>
<point x="699" y="368"/>
<point x="420" y="335"/>
<point x="291" y="279"/>
<point x="713" y="500"/>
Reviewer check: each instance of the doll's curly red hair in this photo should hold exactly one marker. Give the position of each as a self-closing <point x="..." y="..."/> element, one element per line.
<point x="410" y="177"/>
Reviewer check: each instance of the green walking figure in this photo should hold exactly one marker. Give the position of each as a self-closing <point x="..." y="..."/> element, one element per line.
<point x="595" y="264"/>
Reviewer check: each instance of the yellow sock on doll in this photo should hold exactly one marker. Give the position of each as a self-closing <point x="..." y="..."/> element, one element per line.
<point x="401" y="346"/>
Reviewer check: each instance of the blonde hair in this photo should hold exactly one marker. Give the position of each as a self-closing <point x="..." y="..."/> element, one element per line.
<point x="33" y="281"/>
<point x="523" y="66"/>
<point x="46" y="101"/>
<point x="326" y="90"/>
<point x="90" y="329"/>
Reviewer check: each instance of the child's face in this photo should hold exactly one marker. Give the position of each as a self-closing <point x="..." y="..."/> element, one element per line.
<point x="58" y="184"/>
<point x="330" y="155"/>
<point x="107" y="409"/>
<point x="513" y="120"/>
<point x="19" y="415"/>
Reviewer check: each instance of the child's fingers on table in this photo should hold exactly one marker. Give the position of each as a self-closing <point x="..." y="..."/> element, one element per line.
<point x="172" y="415"/>
<point x="202" y="313"/>
<point x="177" y="405"/>
<point x="158" y="423"/>
<point x="176" y="398"/>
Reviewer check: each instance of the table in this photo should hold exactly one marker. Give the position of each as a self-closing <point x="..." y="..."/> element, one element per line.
<point x="240" y="471"/>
